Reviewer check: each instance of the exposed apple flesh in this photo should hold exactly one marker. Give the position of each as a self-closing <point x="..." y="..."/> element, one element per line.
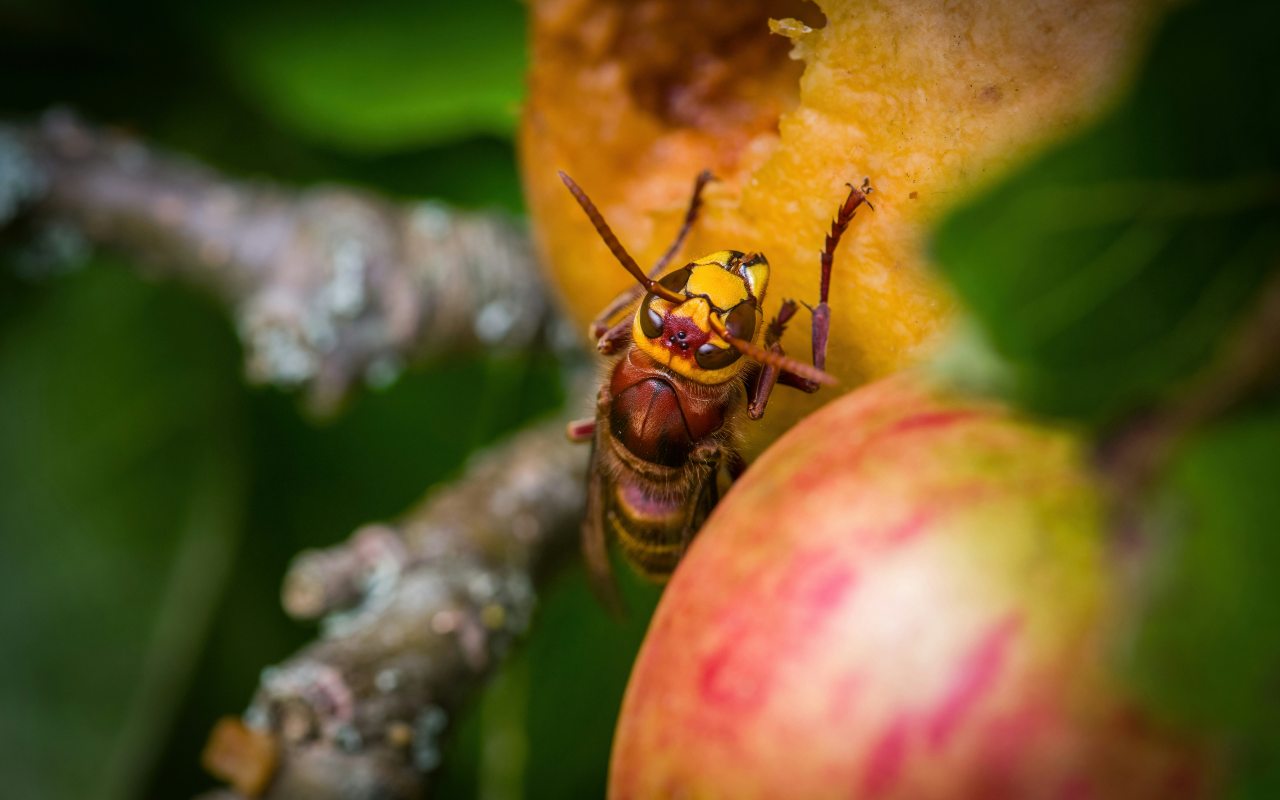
<point x="904" y="597"/>
<point x="634" y="98"/>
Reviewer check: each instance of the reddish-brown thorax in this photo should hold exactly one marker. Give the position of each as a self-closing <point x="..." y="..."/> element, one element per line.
<point x="654" y="413"/>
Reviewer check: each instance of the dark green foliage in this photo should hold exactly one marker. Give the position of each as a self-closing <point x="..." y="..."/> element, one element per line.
<point x="1107" y="278"/>
<point x="122" y="499"/>
<point x="1211" y="646"/>
<point x="1109" y="268"/>
<point x="375" y="76"/>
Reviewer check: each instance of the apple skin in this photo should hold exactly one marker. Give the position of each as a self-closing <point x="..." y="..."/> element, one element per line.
<point x="905" y="597"/>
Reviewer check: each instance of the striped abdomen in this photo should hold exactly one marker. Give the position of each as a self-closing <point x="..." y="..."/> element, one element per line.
<point x="653" y="530"/>
<point x="657" y="496"/>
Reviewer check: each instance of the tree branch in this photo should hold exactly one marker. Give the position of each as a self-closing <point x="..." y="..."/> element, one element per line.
<point x="418" y="614"/>
<point x="328" y="285"/>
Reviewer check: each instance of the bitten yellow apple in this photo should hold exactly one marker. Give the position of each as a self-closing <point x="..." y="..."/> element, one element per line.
<point x="927" y="99"/>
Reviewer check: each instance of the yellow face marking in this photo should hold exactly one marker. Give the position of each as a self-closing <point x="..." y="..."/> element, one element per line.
<point x="721" y="257"/>
<point x="699" y="311"/>
<point x="756" y="275"/>
<point x="724" y="288"/>
<point x="758" y="278"/>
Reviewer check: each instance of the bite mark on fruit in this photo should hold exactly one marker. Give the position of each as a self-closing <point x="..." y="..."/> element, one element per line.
<point x="977" y="675"/>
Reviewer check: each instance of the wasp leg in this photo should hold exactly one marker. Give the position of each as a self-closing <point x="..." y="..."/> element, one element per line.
<point x="707" y="499"/>
<point x="821" y="312"/>
<point x="615" y="338"/>
<point x="735" y="465"/>
<point x="709" y="455"/>
<point x="600" y="325"/>
<point x="767" y="379"/>
<point x="581" y="430"/>
<point x="595" y="549"/>
<point x="769" y="375"/>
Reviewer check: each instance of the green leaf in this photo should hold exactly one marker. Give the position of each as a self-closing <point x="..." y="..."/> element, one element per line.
<point x="1208" y="647"/>
<point x="1109" y="268"/>
<point x="382" y="76"/>
<point x="121" y="492"/>
<point x="1102" y="278"/>
<point x="1211" y="647"/>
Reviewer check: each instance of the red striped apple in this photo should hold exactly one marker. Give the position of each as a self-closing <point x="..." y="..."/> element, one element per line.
<point x="905" y="597"/>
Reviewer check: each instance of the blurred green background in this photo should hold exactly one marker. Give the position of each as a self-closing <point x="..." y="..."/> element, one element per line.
<point x="1126" y="281"/>
<point x="150" y="501"/>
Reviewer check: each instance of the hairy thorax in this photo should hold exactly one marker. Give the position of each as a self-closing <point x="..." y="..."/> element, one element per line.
<point x="659" y="416"/>
<point x="662" y="457"/>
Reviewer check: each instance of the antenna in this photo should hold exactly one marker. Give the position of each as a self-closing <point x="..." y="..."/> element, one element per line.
<point x="619" y="252"/>
<point x="770" y="358"/>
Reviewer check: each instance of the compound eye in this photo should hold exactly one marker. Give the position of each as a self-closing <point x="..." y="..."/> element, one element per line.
<point x="650" y="320"/>
<point x="711" y="357"/>
<point x="676" y="281"/>
<point x="741" y="320"/>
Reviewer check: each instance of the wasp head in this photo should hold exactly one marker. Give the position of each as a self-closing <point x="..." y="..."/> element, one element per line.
<point x="681" y="333"/>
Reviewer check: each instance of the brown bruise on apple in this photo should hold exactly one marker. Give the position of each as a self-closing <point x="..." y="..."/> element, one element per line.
<point x="634" y="98"/>
<point x="917" y="608"/>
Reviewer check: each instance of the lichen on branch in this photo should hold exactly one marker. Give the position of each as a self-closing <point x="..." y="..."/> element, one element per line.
<point x="417" y="615"/>
<point x="329" y="285"/>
